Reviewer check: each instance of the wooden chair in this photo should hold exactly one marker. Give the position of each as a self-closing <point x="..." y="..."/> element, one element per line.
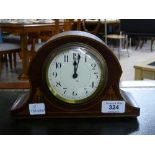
<point x="33" y="45"/>
<point x="121" y="39"/>
<point x="95" y="30"/>
<point x="7" y="51"/>
<point x="62" y="25"/>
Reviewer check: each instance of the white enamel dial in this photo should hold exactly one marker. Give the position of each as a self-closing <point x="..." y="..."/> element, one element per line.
<point x="75" y="73"/>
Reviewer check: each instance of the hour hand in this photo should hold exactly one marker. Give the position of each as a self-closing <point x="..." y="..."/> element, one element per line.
<point x="79" y="57"/>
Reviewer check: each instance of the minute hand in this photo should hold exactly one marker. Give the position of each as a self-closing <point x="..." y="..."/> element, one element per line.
<point x="75" y="75"/>
<point x="75" y="64"/>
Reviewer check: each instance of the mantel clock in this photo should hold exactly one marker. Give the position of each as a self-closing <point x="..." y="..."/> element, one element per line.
<point x="74" y="75"/>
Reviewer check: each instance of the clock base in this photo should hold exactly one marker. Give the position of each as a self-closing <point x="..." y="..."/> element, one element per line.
<point x="20" y="110"/>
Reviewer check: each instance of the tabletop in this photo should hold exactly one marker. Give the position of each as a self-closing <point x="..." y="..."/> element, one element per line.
<point x="146" y="65"/>
<point x="143" y="92"/>
<point x="26" y="27"/>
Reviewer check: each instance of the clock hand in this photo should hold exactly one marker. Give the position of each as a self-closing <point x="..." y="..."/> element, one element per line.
<point x="79" y="57"/>
<point x="78" y="61"/>
<point x="75" y="75"/>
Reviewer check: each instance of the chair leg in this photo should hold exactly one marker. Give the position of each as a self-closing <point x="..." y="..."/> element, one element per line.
<point x="130" y="43"/>
<point x="119" y="53"/>
<point x="5" y="58"/>
<point x="127" y="45"/>
<point x="137" y="45"/>
<point x="142" y="43"/>
<point x="10" y="60"/>
<point x="32" y="54"/>
<point x="119" y="48"/>
<point x="14" y="56"/>
<point x="1" y="57"/>
<point x="152" y="40"/>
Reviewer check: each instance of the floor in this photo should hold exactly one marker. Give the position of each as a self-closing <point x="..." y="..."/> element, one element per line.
<point x="136" y="56"/>
<point x="127" y="64"/>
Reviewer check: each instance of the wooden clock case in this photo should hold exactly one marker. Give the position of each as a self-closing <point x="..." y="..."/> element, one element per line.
<point x="54" y="108"/>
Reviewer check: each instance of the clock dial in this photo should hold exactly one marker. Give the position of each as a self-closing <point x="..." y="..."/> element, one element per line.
<point x="76" y="73"/>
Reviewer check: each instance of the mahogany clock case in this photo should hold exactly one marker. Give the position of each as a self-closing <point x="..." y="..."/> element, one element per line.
<point x="40" y="93"/>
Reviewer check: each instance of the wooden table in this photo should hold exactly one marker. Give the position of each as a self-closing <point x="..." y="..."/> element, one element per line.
<point x="144" y="70"/>
<point x="142" y="91"/>
<point x="23" y="30"/>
